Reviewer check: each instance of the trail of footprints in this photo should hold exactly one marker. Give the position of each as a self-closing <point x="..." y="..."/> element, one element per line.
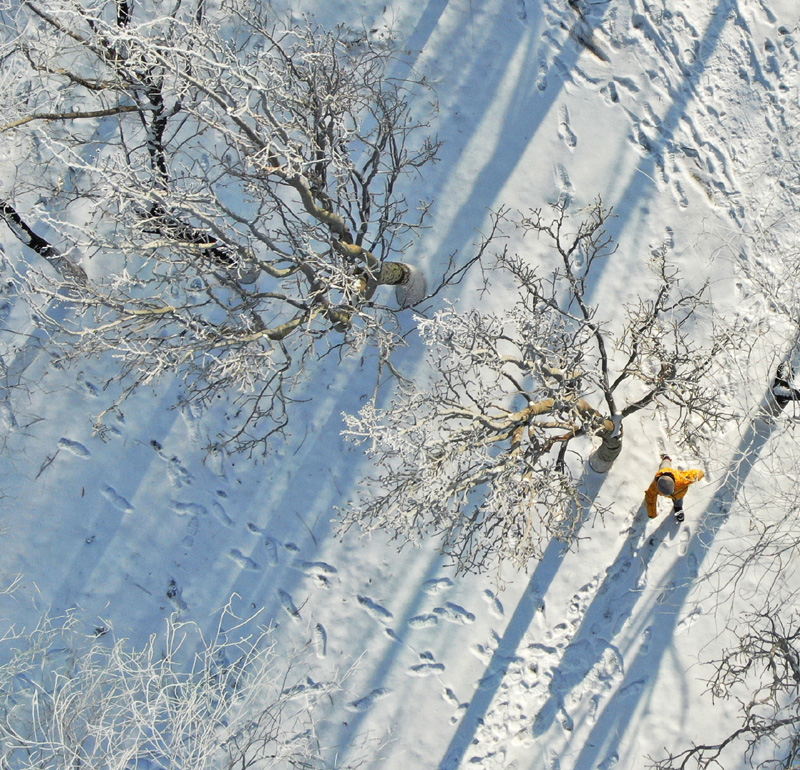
<point x="271" y="552"/>
<point x="540" y="670"/>
<point x="566" y="672"/>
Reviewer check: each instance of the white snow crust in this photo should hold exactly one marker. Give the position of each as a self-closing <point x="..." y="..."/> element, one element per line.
<point x="593" y="659"/>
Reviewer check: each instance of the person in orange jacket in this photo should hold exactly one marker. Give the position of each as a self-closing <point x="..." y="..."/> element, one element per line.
<point x="670" y="482"/>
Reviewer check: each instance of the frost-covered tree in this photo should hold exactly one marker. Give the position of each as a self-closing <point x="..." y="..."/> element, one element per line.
<point x="486" y="454"/>
<point x="762" y="671"/>
<point x="211" y="189"/>
<point x="179" y="701"/>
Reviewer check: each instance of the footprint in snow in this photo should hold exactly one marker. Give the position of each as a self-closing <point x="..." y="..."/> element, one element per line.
<point x="669" y="237"/>
<point x="609" y="90"/>
<point x="288" y="605"/>
<point x="453" y="613"/>
<point x="495" y="606"/>
<point x="188" y="509"/>
<point x="684" y="542"/>
<point x="192" y="413"/>
<point x="173" y="593"/>
<point x="426" y="669"/>
<point x="482" y="652"/>
<point x="177" y="473"/>
<point x="628" y="84"/>
<point x="611" y="666"/>
<point x="679" y="195"/>
<point x="116" y="499"/>
<point x="647" y="635"/>
<point x="614" y="573"/>
<point x="541" y="75"/>
<point x="522" y="13"/>
<point x="319" y="571"/>
<point x="423" y="621"/>
<point x="562" y="179"/>
<point x="594" y="708"/>
<point x="245" y="562"/>
<point x="215" y="460"/>
<point x="565" y="132"/>
<point x="436" y="585"/>
<point x="317" y="568"/>
<point x="377" y="611"/>
<point x="610" y="761"/>
<point x="320" y="640"/>
<point x="88" y="385"/>
<point x="564" y="70"/>
<point x="74" y="447"/>
<point x="254" y="528"/>
<point x="640" y="140"/>
<point x="191" y="531"/>
<point x="220" y="514"/>
<point x="309" y="686"/>
<point x="450" y="697"/>
<point x="363" y="704"/>
<point x="271" y="547"/>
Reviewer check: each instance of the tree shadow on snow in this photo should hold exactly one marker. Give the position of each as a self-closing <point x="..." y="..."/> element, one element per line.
<point x="641" y="185"/>
<point x="616" y="718"/>
<point x="529" y="603"/>
<point x="616" y="597"/>
<point x="541" y="71"/>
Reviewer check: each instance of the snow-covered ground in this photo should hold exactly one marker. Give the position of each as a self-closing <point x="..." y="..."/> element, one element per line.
<point x="682" y="115"/>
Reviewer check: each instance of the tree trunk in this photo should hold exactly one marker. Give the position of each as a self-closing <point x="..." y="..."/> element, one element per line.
<point x="601" y="460"/>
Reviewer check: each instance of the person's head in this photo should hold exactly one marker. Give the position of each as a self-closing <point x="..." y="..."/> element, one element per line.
<point x="666" y="484"/>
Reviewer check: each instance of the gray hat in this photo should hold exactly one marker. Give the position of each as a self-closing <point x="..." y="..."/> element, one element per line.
<point x="666" y="484"/>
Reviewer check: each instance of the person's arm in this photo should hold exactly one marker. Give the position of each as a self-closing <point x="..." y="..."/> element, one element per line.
<point x="651" y="499"/>
<point x="686" y="478"/>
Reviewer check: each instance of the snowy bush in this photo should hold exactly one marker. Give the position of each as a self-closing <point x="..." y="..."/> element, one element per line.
<point x="68" y="701"/>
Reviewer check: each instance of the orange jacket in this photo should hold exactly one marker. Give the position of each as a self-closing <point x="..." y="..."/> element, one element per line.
<point x="682" y="481"/>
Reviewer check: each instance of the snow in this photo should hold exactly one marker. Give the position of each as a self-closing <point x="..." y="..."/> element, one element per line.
<point x="594" y="658"/>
